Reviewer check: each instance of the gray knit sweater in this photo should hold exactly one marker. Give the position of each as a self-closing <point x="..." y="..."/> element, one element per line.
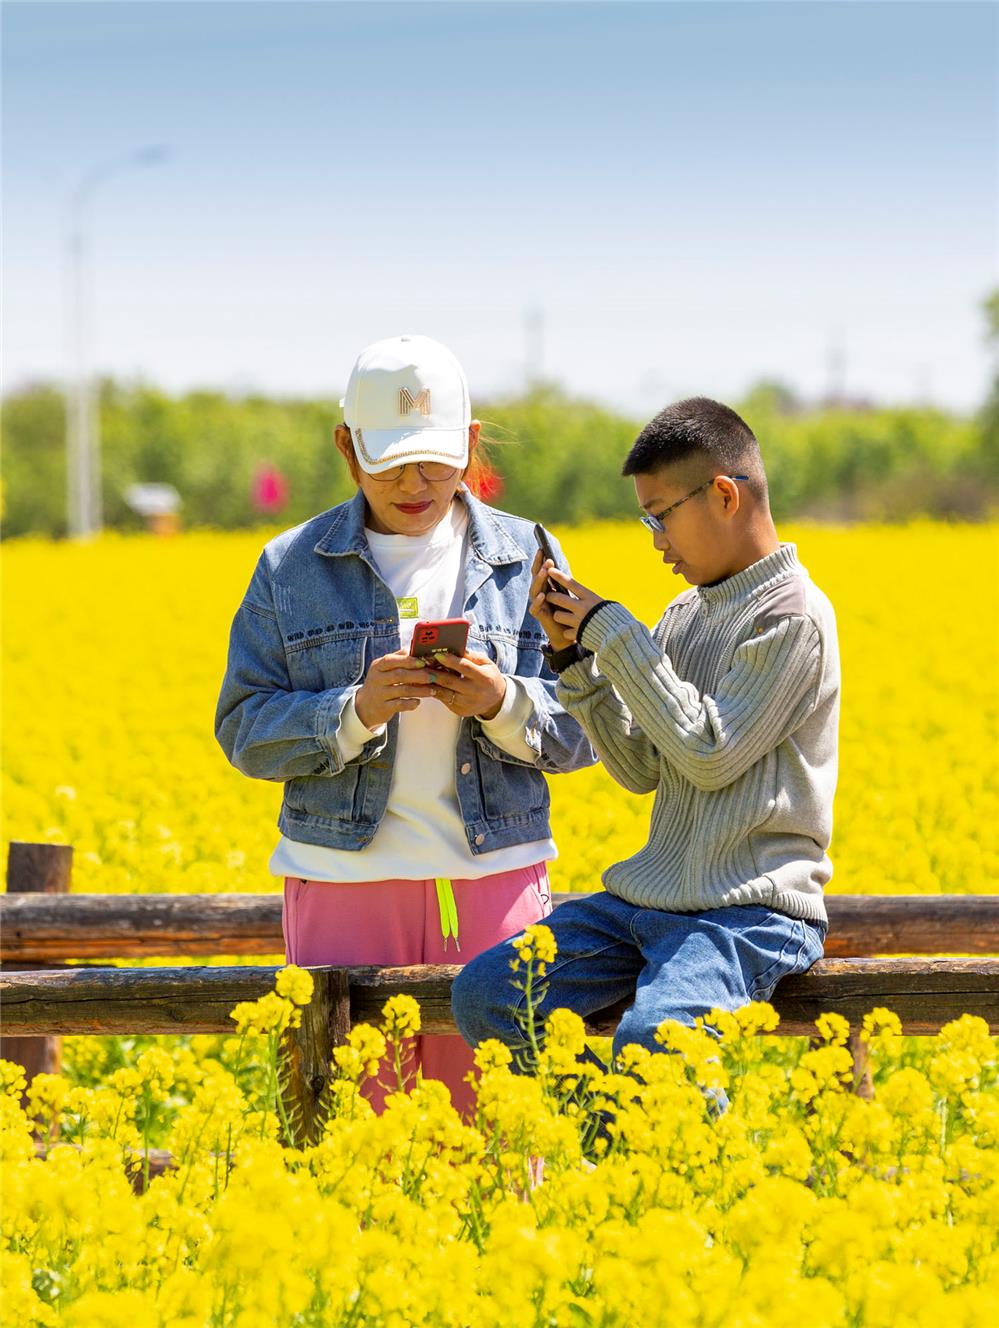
<point x="729" y="711"/>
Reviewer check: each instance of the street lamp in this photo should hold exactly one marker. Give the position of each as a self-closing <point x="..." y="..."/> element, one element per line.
<point x="83" y="445"/>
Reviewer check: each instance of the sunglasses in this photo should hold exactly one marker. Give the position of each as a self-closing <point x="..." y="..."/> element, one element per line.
<point x="434" y="471"/>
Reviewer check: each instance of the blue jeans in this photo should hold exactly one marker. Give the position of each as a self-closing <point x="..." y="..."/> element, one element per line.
<point x="676" y="965"/>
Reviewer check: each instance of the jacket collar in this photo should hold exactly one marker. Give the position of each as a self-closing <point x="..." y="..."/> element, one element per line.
<point x="345" y="533"/>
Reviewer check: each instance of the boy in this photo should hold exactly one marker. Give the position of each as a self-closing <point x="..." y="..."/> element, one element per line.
<point x="728" y="710"/>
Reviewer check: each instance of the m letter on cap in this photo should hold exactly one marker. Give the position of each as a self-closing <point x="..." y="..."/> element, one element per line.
<point x="407" y="402"/>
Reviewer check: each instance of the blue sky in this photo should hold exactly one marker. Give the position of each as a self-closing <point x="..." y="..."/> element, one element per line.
<point x="693" y="196"/>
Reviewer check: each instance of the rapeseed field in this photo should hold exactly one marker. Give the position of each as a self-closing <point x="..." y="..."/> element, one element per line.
<point x="576" y="1197"/>
<point x="113" y="654"/>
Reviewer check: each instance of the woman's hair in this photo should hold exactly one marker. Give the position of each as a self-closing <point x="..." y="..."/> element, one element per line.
<point x="480" y="475"/>
<point x="699" y="429"/>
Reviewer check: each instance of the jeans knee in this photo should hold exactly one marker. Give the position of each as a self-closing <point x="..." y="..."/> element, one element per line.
<point x="469" y="1006"/>
<point x="462" y="1003"/>
<point x="478" y="1013"/>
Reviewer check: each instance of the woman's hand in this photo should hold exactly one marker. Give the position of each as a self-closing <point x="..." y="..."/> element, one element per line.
<point x="474" y="685"/>
<point x="394" y="683"/>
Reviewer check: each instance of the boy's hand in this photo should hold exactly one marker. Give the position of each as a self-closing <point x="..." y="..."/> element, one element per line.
<point x="540" y="607"/>
<point x="570" y="608"/>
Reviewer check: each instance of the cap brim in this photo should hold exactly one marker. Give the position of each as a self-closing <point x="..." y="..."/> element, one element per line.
<point x="381" y="449"/>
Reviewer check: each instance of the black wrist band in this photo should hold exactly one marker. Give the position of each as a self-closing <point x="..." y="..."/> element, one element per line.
<point x="589" y="614"/>
<point x="559" y="660"/>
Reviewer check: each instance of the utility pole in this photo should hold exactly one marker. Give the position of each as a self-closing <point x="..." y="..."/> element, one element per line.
<point x="836" y="369"/>
<point x="534" y="348"/>
<point x="84" y="505"/>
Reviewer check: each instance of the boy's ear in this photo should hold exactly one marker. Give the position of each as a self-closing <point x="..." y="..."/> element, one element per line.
<point x="730" y="496"/>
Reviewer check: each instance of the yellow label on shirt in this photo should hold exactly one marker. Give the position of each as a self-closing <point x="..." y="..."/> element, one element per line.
<point x="408" y="606"/>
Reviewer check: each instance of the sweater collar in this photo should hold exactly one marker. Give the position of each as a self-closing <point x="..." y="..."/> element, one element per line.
<point x="774" y="567"/>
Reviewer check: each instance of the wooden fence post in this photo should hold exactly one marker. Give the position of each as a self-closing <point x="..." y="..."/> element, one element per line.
<point x="309" y="1048"/>
<point x="36" y="869"/>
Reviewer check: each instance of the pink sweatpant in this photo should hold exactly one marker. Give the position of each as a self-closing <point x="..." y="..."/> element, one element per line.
<point x="398" y="922"/>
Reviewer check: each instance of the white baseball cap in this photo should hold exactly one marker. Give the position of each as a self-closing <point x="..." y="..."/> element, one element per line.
<point x="407" y="400"/>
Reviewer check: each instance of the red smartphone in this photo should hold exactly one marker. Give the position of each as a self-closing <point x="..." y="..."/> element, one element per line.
<point x="442" y="636"/>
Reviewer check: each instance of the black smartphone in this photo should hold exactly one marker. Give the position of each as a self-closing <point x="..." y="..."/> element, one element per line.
<point x="545" y="545"/>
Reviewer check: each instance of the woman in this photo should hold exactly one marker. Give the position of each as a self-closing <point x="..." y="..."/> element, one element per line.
<point x="415" y="813"/>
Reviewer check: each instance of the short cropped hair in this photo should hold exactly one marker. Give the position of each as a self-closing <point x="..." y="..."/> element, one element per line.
<point x="699" y="429"/>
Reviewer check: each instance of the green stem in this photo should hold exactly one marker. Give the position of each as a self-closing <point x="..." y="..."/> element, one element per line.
<point x="285" y="1123"/>
<point x="146" y="1113"/>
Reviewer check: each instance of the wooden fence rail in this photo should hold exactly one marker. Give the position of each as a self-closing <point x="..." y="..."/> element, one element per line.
<point x="925" y="993"/>
<point x="47" y="929"/>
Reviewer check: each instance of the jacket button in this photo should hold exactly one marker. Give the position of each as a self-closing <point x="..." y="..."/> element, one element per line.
<point x="466" y="769"/>
<point x="480" y="839"/>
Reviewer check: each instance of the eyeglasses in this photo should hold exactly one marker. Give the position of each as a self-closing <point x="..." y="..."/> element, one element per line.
<point x="435" y="472"/>
<point x="655" y="523"/>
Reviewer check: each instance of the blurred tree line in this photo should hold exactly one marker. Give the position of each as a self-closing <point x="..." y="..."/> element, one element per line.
<point x="558" y="458"/>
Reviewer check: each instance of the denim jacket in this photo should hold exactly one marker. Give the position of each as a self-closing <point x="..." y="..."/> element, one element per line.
<point x="316" y="614"/>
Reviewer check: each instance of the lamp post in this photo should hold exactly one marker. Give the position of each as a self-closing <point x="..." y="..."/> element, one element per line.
<point x="84" y="505"/>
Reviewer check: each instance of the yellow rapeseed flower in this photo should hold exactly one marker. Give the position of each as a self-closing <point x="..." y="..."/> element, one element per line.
<point x="401" y="1017"/>
<point x="295" y="984"/>
<point x="537" y="945"/>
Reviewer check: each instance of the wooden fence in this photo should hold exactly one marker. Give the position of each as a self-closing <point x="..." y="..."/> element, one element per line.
<point x="881" y="951"/>
<point x="49" y="929"/>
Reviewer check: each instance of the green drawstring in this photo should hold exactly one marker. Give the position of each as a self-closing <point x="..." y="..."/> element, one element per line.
<point x="448" y="910"/>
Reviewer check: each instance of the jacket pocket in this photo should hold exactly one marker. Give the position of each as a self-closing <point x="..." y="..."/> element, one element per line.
<point x="508" y="790"/>
<point x="329" y="796"/>
<point x="325" y="663"/>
